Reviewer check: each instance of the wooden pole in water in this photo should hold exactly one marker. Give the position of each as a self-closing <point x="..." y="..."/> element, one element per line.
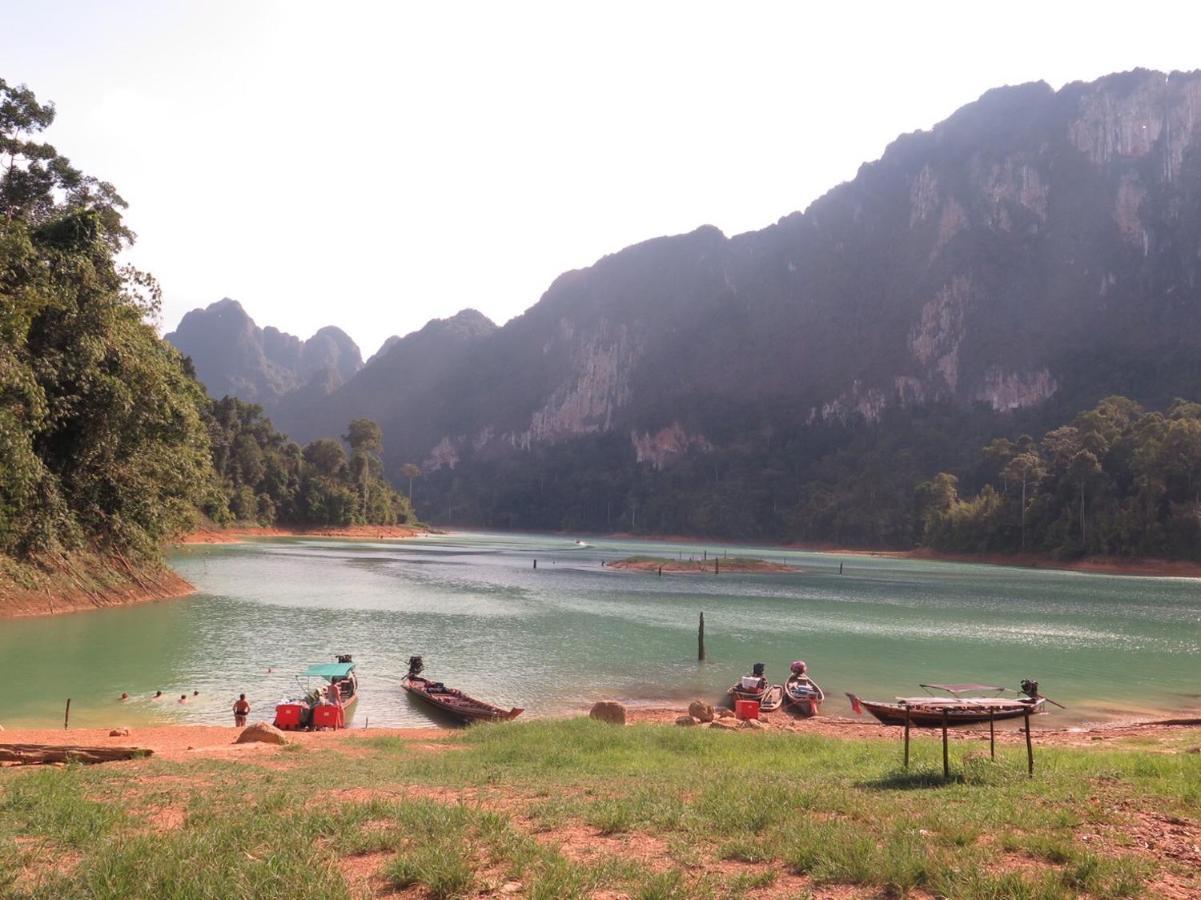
<point x="716" y="563"/>
<point x="1029" y="746"/>
<point x="67" y="715"/>
<point x="992" y="734"/>
<point x="946" y="760"/>
<point x="700" y="639"/>
<point x="660" y="571"/>
<point x="535" y="564"/>
<point x="906" y="737"/>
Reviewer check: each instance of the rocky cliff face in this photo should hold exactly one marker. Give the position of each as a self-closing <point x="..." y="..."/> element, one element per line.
<point x="1036" y="250"/>
<point x="234" y="356"/>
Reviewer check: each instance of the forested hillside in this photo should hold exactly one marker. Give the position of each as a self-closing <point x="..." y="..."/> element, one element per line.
<point x="109" y="446"/>
<point x="1117" y="480"/>
<point x="993" y="276"/>
<point x="102" y="444"/>
<point x="262" y="477"/>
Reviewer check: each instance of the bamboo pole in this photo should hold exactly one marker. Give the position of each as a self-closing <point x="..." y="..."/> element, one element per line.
<point x="946" y="760"/>
<point x="700" y="639"/>
<point x="67" y="715"/>
<point x="992" y="734"/>
<point x="906" y="737"/>
<point x="1029" y="745"/>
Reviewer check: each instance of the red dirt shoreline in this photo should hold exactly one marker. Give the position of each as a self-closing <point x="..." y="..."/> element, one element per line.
<point x="144" y="587"/>
<point x="237" y="535"/>
<point x="187" y="741"/>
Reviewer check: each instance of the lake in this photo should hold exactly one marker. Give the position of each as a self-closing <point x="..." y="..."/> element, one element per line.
<point x="571" y="631"/>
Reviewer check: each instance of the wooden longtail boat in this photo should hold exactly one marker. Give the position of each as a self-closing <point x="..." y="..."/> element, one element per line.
<point x="329" y="706"/>
<point x="928" y="712"/>
<point x="755" y="687"/>
<point x="453" y="701"/>
<point x="803" y="694"/>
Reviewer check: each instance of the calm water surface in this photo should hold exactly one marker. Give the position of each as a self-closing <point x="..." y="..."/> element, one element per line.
<point x="572" y="631"/>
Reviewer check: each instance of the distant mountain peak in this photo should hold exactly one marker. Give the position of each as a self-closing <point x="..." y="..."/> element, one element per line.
<point x="232" y="355"/>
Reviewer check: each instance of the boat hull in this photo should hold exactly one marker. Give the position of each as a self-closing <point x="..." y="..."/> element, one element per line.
<point x="769" y="699"/>
<point x="931" y="715"/>
<point x="803" y="695"/>
<point x="456" y="703"/>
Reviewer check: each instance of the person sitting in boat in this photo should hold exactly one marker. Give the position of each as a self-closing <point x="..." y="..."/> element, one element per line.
<point x="241" y="710"/>
<point x="798" y="667"/>
<point x="332" y="695"/>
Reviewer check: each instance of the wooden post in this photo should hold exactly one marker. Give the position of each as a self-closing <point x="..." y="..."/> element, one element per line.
<point x="716" y="563"/>
<point x="906" y="736"/>
<point x="1029" y="745"/>
<point x="700" y="639"/>
<point x="992" y="734"/>
<point x="705" y="556"/>
<point x="946" y="760"/>
<point x="67" y="715"/>
<point x="660" y="571"/>
<point x="535" y="564"/>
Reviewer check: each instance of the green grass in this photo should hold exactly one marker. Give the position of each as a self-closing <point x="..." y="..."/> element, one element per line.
<point x="661" y="810"/>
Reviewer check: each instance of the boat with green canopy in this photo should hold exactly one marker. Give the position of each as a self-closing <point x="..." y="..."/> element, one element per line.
<point x="327" y="704"/>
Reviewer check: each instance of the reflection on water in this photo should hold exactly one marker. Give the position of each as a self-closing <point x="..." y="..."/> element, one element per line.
<point x="571" y="630"/>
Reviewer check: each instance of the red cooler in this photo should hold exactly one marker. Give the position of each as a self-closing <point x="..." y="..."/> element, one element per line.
<point x="325" y="716"/>
<point x="289" y="716"/>
<point x="746" y="709"/>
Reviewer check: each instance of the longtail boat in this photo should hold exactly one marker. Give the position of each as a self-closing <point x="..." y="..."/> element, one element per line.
<point x="451" y="700"/>
<point x="755" y="687"/>
<point x="329" y="704"/>
<point x="801" y="692"/>
<point x="929" y="711"/>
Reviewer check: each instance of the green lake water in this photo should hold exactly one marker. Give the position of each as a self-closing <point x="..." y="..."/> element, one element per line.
<point x="572" y="631"/>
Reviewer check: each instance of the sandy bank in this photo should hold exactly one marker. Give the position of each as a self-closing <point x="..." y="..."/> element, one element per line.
<point x="698" y="566"/>
<point x="237" y="535"/>
<point x="191" y="741"/>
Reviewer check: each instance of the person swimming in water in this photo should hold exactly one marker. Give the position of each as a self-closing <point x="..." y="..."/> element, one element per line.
<point x="124" y="696"/>
<point x="183" y="698"/>
<point x="158" y="695"/>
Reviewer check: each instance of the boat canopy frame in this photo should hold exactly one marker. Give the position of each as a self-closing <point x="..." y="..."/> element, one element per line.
<point x="962" y="688"/>
<point x="330" y="671"/>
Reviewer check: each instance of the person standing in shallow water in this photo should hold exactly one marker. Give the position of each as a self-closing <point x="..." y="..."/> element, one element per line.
<point x="241" y="710"/>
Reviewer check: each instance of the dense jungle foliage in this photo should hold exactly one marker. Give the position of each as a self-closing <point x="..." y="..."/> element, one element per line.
<point x="263" y="477"/>
<point x="101" y="438"/>
<point x="1117" y="480"/>
<point x="107" y="441"/>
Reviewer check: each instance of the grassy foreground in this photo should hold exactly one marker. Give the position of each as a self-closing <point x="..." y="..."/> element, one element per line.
<point x="573" y="808"/>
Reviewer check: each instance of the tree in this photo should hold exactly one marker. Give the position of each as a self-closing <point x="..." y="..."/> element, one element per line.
<point x="101" y="438"/>
<point x="326" y="456"/>
<point x="1028" y="468"/>
<point x="410" y="471"/>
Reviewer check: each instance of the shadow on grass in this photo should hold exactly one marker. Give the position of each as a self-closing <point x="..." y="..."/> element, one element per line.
<point x="912" y="780"/>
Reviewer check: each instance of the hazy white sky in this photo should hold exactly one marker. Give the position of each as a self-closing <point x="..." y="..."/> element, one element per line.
<point x="374" y="165"/>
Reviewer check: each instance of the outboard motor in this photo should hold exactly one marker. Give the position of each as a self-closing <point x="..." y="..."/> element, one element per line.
<point x="345" y="658"/>
<point x="415" y="665"/>
<point x="1030" y="688"/>
<point x="758" y="669"/>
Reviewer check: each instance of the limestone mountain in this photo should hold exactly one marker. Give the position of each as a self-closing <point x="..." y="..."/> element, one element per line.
<point x="234" y="356"/>
<point x="1034" y="252"/>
